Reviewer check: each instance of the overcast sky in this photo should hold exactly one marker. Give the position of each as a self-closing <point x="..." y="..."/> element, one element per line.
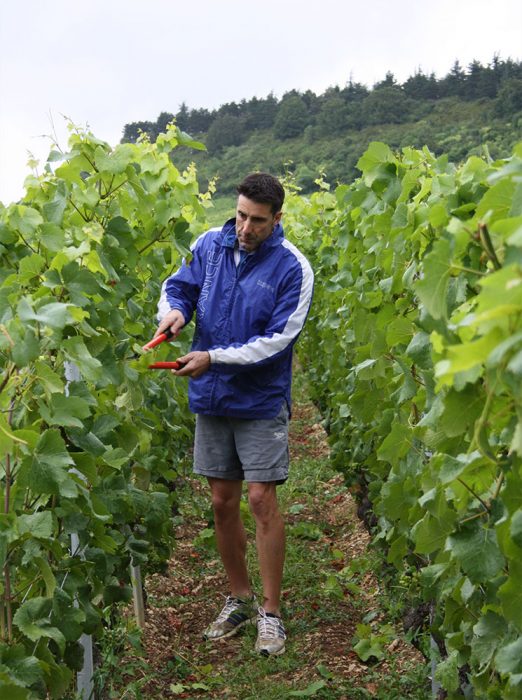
<point x="105" y="63"/>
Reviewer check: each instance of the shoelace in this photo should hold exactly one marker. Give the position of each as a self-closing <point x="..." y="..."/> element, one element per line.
<point x="229" y="607"/>
<point x="269" y="627"/>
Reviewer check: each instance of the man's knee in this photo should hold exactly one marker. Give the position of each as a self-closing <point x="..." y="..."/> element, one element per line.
<point x="262" y="500"/>
<point x="225" y="499"/>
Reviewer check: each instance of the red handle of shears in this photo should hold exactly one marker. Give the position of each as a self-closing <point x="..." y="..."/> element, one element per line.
<point x="167" y="335"/>
<point x="166" y="365"/>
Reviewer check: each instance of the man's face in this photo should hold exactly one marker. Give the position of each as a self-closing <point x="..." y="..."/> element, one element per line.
<point x="254" y="223"/>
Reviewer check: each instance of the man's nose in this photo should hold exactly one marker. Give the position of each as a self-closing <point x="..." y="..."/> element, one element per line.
<point x="247" y="225"/>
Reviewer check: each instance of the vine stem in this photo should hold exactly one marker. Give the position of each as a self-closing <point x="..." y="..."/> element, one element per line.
<point x="474" y="517"/>
<point x="500" y="481"/>
<point x="7" y="494"/>
<point x="110" y="192"/>
<point x="79" y="212"/>
<point x="4" y="330"/>
<point x="6" y="378"/>
<point x="7" y="598"/>
<point x="474" y="494"/>
<point x="487" y="244"/>
<point x="461" y="268"/>
<point x="27" y="243"/>
<point x="158" y="239"/>
<point x="7" y="573"/>
<point x="481" y="421"/>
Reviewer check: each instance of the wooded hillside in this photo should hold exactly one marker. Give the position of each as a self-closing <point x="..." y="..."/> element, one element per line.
<point x="468" y="110"/>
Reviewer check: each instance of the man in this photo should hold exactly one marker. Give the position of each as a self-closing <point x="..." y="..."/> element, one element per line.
<point x="251" y="290"/>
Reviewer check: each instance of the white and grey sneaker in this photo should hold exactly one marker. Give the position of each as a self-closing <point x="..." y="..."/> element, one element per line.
<point x="271" y="634"/>
<point x="235" y="614"/>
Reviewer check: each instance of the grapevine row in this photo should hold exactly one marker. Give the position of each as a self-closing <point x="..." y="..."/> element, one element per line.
<point x="90" y="442"/>
<point x="415" y="354"/>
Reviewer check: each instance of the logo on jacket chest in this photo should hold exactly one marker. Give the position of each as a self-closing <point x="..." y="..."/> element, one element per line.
<point x="265" y="285"/>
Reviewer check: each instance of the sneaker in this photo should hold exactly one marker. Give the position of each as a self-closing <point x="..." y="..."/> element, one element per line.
<point x="236" y="613"/>
<point x="271" y="634"/>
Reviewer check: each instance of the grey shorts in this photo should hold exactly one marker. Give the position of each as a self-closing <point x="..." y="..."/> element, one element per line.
<point x="242" y="449"/>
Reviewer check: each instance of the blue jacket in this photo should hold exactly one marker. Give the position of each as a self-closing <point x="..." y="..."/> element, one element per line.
<point x="248" y="317"/>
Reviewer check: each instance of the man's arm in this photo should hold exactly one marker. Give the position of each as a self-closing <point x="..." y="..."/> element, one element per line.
<point x="180" y="292"/>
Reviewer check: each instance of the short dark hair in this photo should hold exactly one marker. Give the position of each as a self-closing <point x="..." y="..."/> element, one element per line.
<point x="263" y="189"/>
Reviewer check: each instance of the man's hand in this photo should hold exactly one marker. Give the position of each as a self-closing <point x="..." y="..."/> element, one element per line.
<point x="195" y="364"/>
<point x="173" y="320"/>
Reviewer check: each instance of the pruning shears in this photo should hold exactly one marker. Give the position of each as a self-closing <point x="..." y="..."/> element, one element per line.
<point x="162" y="337"/>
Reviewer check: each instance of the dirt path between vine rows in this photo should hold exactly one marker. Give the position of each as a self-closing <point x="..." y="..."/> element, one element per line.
<point x="323" y="600"/>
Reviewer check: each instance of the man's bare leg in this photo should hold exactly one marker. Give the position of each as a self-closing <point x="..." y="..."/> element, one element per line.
<point x="270" y="541"/>
<point x="230" y="534"/>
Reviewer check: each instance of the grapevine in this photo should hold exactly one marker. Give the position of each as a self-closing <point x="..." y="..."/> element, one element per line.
<point x="83" y="257"/>
<point x="415" y="351"/>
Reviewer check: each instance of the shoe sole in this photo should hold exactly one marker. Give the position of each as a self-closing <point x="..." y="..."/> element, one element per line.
<point x="232" y="632"/>
<point x="266" y="653"/>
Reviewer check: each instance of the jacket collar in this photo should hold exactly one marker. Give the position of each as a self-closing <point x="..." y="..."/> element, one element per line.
<point x="229" y="237"/>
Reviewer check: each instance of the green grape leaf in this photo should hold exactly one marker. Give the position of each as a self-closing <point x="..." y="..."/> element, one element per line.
<point x="115" y="161"/>
<point x="396" y="444"/>
<point x="50" y="380"/>
<point x="54" y="209"/>
<point x="430" y="533"/>
<point x="52" y="237"/>
<point x="467" y="356"/>
<point x="20" y="667"/>
<point x="26" y="349"/>
<point x="419" y="349"/>
<point x="12" y="691"/>
<point x="54" y="315"/>
<point x="399" y="332"/>
<point x="24" y="219"/>
<point x="49" y="466"/>
<point x="58" y="678"/>
<point x="510" y="594"/>
<point x="433" y="287"/>
<point x="447" y="672"/>
<point x="33" y="619"/>
<point x="47" y="575"/>
<point x="461" y="409"/>
<point x="8" y="438"/>
<point x="496" y="202"/>
<point x="39" y="524"/>
<point x="516" y="527"/>
<point x="509" y="658"/>
<point x="374" y="157"/>
<point x="31" y="266"/>
<point x="489" y="632"/>
<point x="68" y="411"/>
<point x="478" y="553"/>
<point x="66" y="616"/>
<point x="116" y="458"/>
<point x="500" y="288"/>
<point x="76" y="351"/>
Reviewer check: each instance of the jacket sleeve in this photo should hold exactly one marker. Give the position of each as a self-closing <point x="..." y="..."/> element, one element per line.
<point x="181" y="290"/>
<point x="282" y="330"/>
